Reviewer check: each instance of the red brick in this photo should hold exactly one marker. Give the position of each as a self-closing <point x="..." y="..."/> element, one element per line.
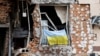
<point x="96" y="48"/>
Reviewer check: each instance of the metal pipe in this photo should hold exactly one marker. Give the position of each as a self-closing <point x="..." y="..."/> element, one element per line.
<point x="49" y="20"/>
<point x="9" y="52"/>
<point x="10" y="39"/>
<point x="29" y="33"/>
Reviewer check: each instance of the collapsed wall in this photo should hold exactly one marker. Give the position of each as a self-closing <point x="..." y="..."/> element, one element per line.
<point x="34" y="44"/>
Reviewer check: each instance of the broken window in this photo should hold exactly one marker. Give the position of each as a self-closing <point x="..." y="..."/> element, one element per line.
<point x="55" y="16"/>
<point x="95" y="20"/>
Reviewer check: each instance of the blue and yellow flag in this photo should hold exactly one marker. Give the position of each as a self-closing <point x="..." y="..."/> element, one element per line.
<point x="56" y="37"/>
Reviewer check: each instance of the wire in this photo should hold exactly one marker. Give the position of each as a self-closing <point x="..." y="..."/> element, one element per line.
<point x="22" y="6"/>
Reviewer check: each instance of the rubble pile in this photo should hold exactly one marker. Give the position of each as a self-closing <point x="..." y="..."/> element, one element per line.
<point x="33" y="45"/>
<point x="4" y="11"/>
<point x="49" y="50"/>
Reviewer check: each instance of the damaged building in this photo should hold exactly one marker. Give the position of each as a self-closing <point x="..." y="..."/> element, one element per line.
<point x="49" y="27"/>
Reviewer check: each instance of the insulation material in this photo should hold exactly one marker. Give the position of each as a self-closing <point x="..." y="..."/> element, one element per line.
<point x="61" y="12"/>
<point x="4" y="11"/>
<point x="81" y="37"/>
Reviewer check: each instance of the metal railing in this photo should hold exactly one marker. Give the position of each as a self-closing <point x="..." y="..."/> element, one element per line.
<point x="49" y="20"/>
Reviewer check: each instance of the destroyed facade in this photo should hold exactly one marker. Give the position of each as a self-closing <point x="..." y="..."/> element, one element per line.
<point x="50" y="27"/>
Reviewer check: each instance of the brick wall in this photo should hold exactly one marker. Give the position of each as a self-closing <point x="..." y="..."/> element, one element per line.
<point x="81" y="37"/>
<point x="94" y="6"/>
<point x="4" y="11"/>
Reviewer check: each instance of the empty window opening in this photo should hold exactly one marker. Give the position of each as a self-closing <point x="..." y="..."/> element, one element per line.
<point x="23" y="11"/>
<point x="23" y="20"/>
<point x="20" y="34"/>
<point x="95" y="20"/>
<point x="2" y="40"/>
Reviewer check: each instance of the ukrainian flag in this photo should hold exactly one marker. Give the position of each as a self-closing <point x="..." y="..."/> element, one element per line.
<point x="56" y="37"/>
